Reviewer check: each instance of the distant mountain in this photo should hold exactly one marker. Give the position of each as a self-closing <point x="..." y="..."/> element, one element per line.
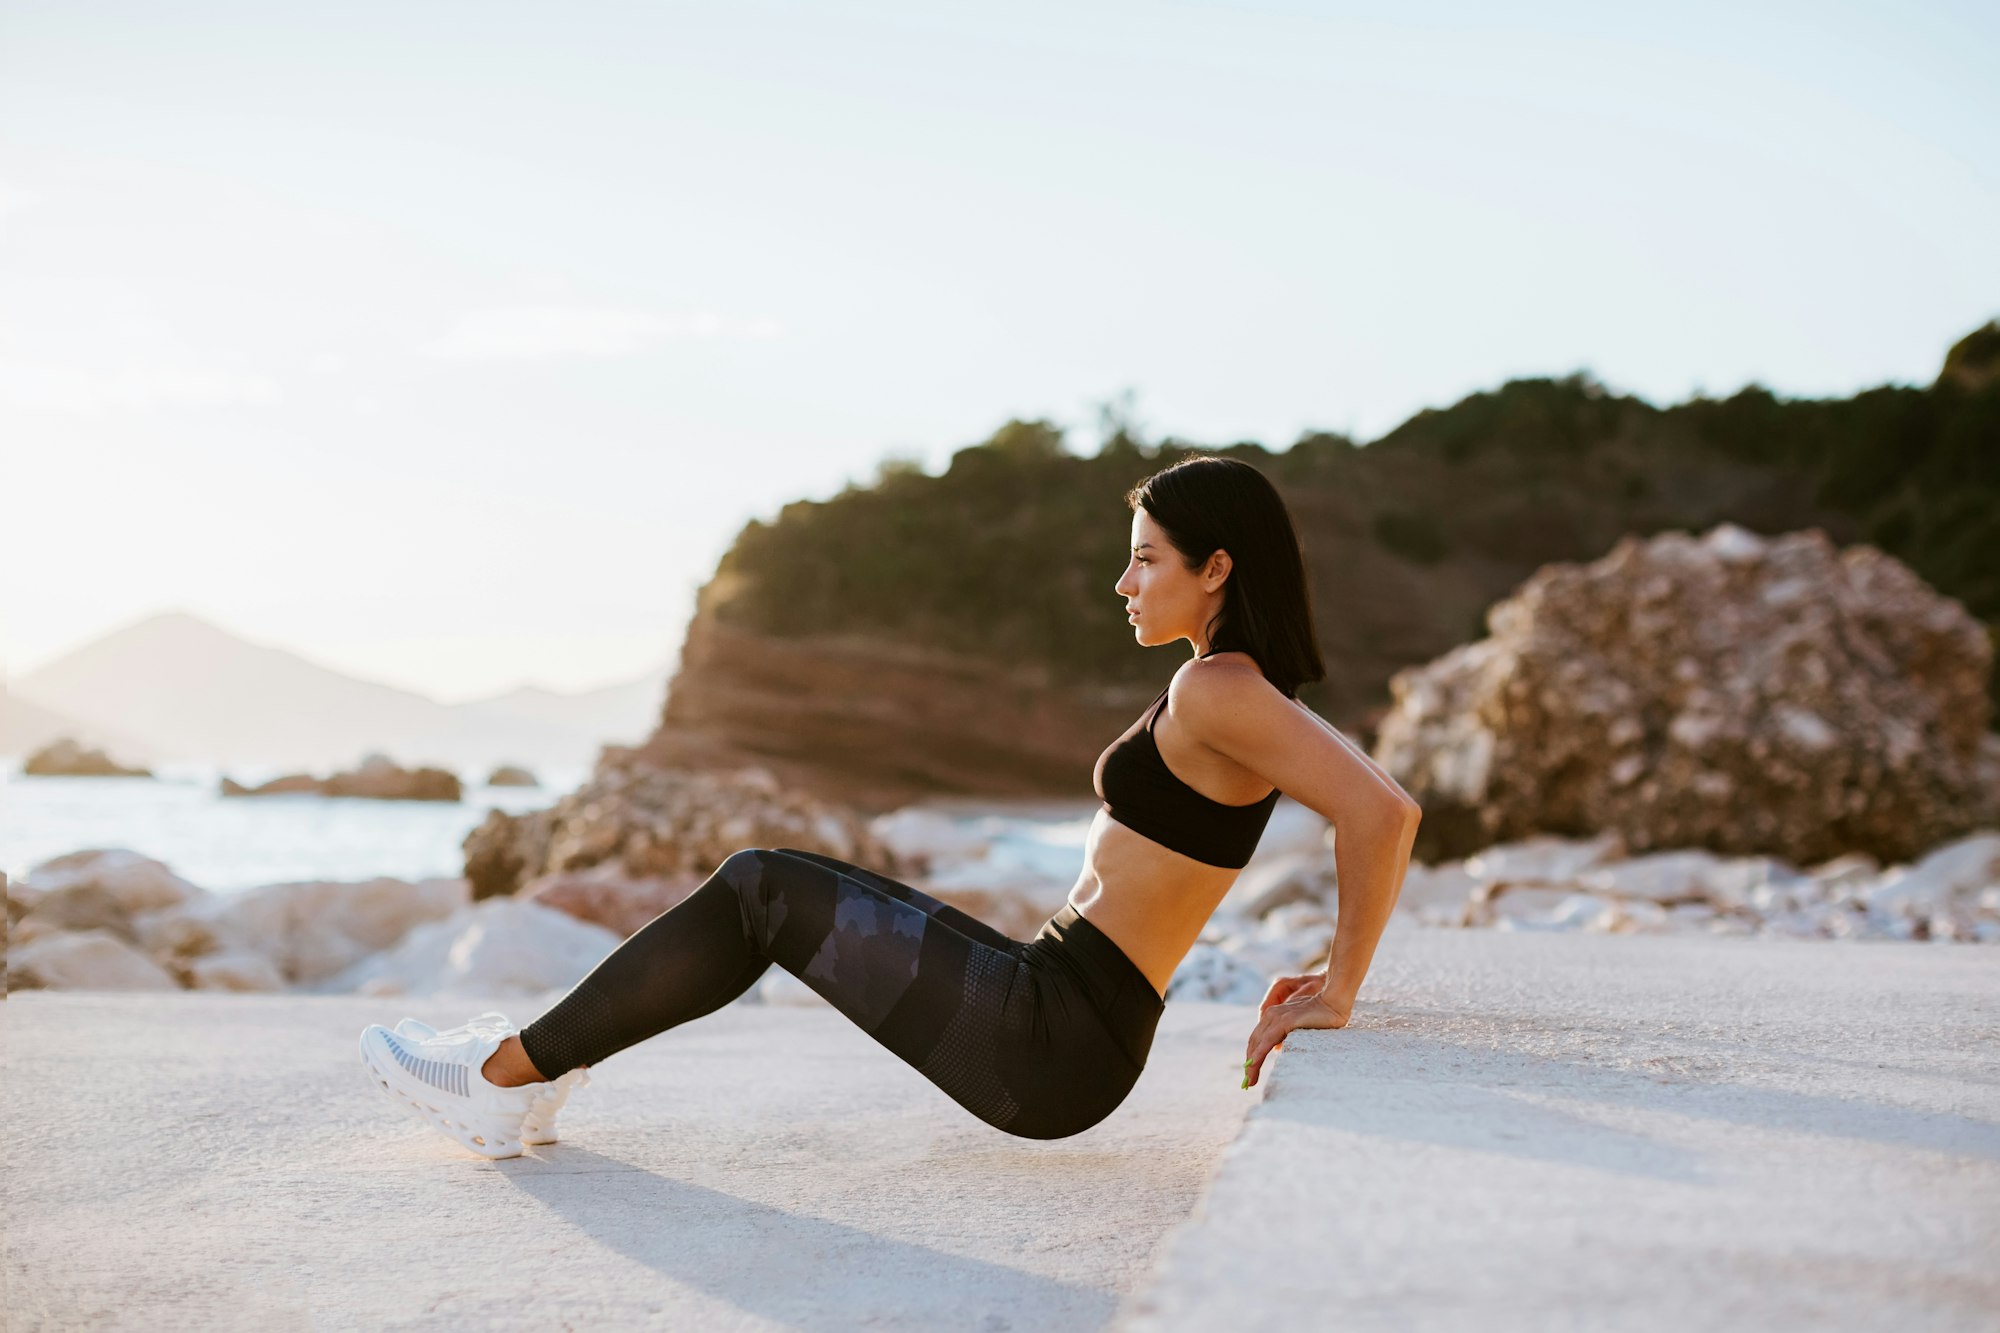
<point x="174" y="686"/>
<point x="26" y="726"/>
<point x="609" y="710"/>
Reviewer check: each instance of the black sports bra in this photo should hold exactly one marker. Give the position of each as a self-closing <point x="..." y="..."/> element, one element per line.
<point x="1138" y="790"/>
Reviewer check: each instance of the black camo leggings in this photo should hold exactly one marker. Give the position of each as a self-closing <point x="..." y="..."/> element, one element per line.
<point x="1042" y="1039"/>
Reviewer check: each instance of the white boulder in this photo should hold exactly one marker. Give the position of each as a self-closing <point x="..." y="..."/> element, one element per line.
<point x="315" y="929"/>
<point x="926" y="838"/>
<point x="134" y="882"/>
<point x="498" y="946"/>
<point x="1213" y="974"/>
<point x="1436" y="895"/>
<point x="1543" y="858"/>
<point x="84" y="960"/>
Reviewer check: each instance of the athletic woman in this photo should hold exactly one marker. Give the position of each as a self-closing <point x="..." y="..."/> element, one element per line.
<point x="1040" y="1038"/>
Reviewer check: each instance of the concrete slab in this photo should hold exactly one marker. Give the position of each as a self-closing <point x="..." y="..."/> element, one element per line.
<point x="218" y="1161"/>
<point x="1539" y="1131"/>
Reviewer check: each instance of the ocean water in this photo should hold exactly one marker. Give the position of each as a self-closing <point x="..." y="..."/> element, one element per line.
<point x="229" y="844"/>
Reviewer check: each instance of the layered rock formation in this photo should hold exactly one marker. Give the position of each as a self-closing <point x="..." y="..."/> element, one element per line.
<point x="1729" y="693"/>
<point x="873" y="723"/>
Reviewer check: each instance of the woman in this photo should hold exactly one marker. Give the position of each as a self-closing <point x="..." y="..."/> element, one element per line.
<point x="1042" y="1038"/>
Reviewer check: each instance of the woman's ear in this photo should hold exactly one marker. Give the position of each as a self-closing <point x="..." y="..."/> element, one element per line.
<point x="1218" y="569"/>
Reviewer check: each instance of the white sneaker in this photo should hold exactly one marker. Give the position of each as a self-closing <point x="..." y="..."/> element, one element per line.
<point x="441" y="1079"/>
<point x="539" y="1126"/>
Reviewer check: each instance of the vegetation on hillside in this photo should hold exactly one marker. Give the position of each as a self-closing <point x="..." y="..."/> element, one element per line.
<point x="1012" y="552"/>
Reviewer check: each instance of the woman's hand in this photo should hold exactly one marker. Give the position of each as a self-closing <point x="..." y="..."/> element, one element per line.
<point x="1292" y="1002"/>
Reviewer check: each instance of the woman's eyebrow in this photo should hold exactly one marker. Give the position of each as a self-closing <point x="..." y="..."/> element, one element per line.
<point x="1143" y="546"/>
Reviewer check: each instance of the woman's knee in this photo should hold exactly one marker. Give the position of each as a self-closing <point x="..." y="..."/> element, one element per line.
<point x="747" y="873"/>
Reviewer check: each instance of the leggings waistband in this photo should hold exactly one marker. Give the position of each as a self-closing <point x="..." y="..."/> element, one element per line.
<point x="1110" y="980"/>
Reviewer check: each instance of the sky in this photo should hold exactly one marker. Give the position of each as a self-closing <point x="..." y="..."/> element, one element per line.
<point x="450" y="345"/>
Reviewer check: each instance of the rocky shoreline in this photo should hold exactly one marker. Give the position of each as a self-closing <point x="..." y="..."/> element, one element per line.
<point x="114" y="919"/>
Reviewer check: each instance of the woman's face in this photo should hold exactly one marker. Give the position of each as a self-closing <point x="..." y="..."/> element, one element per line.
<point x="1165" y="599"/>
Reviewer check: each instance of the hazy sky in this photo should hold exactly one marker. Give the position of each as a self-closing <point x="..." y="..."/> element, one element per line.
<point x="450" y="344"/>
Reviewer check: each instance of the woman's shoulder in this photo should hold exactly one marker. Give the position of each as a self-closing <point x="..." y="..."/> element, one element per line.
<point x="1224" y="680"/>
<point x="1225" y="666"/>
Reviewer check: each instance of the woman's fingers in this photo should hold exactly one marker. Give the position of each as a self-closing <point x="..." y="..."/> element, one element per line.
<point x="1288" y="988"/>
<point x="1271" y="1028"/>
<point x="1274" y="1024"/>
<point x="1281" y="990"/>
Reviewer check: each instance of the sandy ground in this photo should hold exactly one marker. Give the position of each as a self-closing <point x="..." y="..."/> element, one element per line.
<point x="208" y="1161"/>
<point x="1539" y="1131"/>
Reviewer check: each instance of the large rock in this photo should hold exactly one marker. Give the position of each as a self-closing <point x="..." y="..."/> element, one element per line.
<point x="1729" y="692"/>
<point x="99" y="889"/>
<point x="83" y="960"/>
<point x="131" y="882"/>
<point x="503" y="946"/>
<point x="605" y="898"/>
<point x="314" y="929"/>
<point x="648" y="822"/>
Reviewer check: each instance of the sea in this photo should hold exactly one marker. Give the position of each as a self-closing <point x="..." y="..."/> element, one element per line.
<point x="229" y="844"/>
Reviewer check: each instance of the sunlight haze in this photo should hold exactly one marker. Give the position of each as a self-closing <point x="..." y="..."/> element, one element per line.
<point x="449" y="346"/>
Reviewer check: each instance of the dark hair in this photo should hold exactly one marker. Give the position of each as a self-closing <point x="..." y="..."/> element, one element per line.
<point x="1207" y="504"/>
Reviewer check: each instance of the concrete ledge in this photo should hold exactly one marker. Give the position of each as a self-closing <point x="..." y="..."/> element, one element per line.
<point x="1538" y="1131"/>
<point x="205" y="1161"/>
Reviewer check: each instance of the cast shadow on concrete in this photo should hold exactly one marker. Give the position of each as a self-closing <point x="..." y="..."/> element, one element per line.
<point x="1481" y="1099"/>
<point x="785" y="1266"/>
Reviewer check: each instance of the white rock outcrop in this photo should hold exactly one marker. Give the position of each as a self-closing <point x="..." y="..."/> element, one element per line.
<point x="1212" y="973"/>
<point x="83" y="960"/>
<point x="499" y="946"/>
<point x="128" y="880"/>
<point x="314" y="929"/>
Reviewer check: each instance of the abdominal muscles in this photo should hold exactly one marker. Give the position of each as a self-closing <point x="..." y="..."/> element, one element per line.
<point x="1151" y="900"/>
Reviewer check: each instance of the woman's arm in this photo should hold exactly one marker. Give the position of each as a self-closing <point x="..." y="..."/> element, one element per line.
<point x="1236" y="712"/>
<point x="1370" y="859"/>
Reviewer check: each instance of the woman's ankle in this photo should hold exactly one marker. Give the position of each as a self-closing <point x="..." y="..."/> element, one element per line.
<point x="509" y="1066"/>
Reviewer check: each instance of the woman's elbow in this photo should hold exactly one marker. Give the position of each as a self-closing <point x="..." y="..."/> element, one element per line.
<point x="1390" y="818"/>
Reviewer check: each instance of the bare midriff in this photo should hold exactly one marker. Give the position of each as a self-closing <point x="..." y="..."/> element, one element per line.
<point x="1150" y="900"/>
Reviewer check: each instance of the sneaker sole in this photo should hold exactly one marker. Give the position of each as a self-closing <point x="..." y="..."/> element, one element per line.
<point x="484" y="1137"/>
